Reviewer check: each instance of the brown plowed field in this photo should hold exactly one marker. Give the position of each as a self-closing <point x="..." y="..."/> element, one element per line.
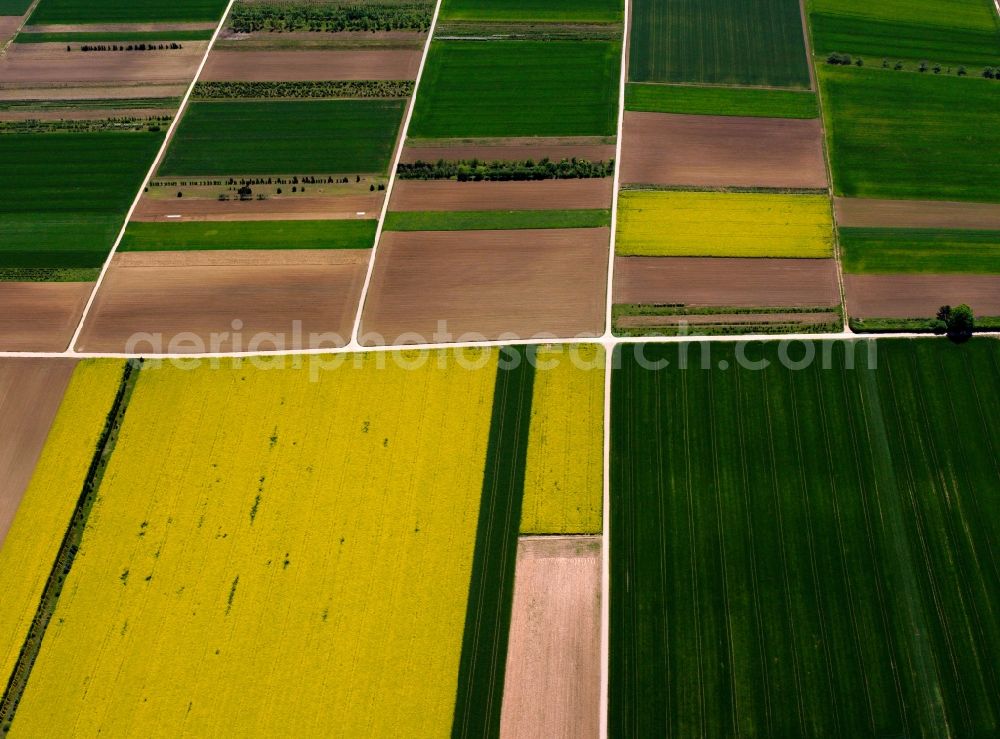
<point x="187" y="302"/>
<point x="40" y="316"/>
<point x="743" y="283"/>
<point x="541" y="195"/>
<point x="468" y="285"/>
<point x="8" y="26"/>
<point x="553" y="674"/>
<point x="287" y="209"/>
<point x="35" y="63"/>
<point x="721" y="151"/>
<point x="315" y="66"/>
<point x="510" y="149"/>
<point x="919" y="296"/>
<point x="87" y="92"/>
<point x="94" y="114"/>
<point x="30" y="393"/>
<point x="864" y="213"/>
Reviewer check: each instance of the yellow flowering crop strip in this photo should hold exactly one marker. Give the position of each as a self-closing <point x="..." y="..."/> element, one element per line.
<point x="44" y="514"/>
<point x="563" y="486"/>
<point x="724" y="224"/>
<point x="270" y="555"/>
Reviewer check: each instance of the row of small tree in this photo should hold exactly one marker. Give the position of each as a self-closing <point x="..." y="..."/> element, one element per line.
<point x="474" y="170"/>
<point x="128" y="47"/>
<point x="837" y="59"/>
<point x="374" y="16"/>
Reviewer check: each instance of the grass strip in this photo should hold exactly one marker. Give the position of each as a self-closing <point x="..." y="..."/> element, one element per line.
<point x="28" y="37"/>
<point x="915" y="325"/>
<point x="758" y="103"/>
<point x="727" y="327"/>
<point x="70" y="545"/>
<point x="70" y="106"/>
<point x="209" y="235"/>
<point x="501" y="220"/>
<point x="491" y="592"/>
<point x="49" y="274"/>
<point x="920" y="251"/>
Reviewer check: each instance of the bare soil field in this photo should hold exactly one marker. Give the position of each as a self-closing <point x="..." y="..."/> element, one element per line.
<point x="68" y="93"/>
<point x="592" y="149"/>
<point x="187" y="302"/>
<point x="37" y="63"/>
<point x="416" y="195"/>
<point x="721" y="151"/>
<point x="73" y="114"/>
<point x="462" y="285"/>
<point x="743" y="283"/>
<point x="40" y="316"/>
<point x="272" y="209"/>
<point x="8" y="27"/>
<point x="30" y="393"/>
<point x="553" y="674"/>
<point x="316" y="66"/>
<point x="865" y="213"/>
<point x="919" y="296"/>
<point x="695" y="320"/>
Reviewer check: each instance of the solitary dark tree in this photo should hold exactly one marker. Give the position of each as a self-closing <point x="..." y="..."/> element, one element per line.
<point x="958" y="322"/>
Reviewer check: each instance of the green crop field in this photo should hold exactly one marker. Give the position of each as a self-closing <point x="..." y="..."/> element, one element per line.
<point x="715" y="100"/>
<point x="126" y="11"/>
<point x="284" y="137"/>
<point x="806" y="553"/>
<point x="518" y="88"/>
<point x="911" y="136"/>
<point x="581" y="11"/>
<point x="945" y="31"/>
<point x="718" y="41"/>
<point x="207" y="235"/>
<point x="480" y="220"/>
<point x="111" y="37"/>
<point x="63" y="197"/>
<point x="929" y="251"/>
<point x="14" y="7"/>
<point x="491" y="591"/>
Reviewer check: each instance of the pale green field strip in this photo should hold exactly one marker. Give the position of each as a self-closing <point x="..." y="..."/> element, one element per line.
<point x="208" y="235"/>
<point x="489" y="220"/>
<point x="717" y="100"/>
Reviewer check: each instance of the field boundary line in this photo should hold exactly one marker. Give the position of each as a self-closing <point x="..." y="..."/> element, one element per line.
<point x="609" y="352"/>
<point x="615" y="185"/>
<point x="149" y="175"/>
<point x="608" y="343"/>
<point x="400" y="144"/>
<point x="20" y="27"/>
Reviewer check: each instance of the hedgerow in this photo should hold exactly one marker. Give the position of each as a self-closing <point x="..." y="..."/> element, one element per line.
<point x="331" y="89"/>
<point x="474" y="170"/>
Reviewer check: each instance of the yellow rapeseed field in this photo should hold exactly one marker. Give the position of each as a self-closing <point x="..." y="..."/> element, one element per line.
<point x="274" y="556"/>
<point x="32" y="544"/>
<point x="564" y="477"/>
<point x="723" y="224"/>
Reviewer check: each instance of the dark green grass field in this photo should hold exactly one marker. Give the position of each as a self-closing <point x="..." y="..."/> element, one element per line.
<point x="718" y="41"/>
<point x="518" y="88"/>
<point x="63" y="197"/>
<point x="929" y="251"/>
<point x="14" y="7"/>
<point x="284" y="137"/>
<point x="946" y="31"/>
<point x="580" y="11"/>
<point x="208" y="235"/>
<point x="480" y="220"/>
<point x="807" y="553"/>
<point x="912" y="136"/>
<point x="660" y="98"/>
<point x="491" y="591"/>
<point x="127" y="11"/>
<point x="86" y="37"/>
